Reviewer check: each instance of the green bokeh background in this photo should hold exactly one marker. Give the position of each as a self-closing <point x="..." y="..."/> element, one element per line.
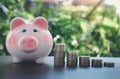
<point x="96" y="34"/>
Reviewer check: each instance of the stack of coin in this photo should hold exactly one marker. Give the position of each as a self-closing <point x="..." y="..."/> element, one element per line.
<point x="109" y="64"/>
<point x="72" y="58"/>
<point x="84" y="61"/>
<point x="59" y="54"/>
<point x="96" y="63"/>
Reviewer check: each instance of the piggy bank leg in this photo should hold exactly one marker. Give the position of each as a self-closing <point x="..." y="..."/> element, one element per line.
<point x="40" y="60"/>
<point x="16" y="60"/>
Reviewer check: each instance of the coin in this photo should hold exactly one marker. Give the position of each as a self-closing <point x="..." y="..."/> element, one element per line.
<point x="109" y="64"/>
<point x="96" y="63"/>
<point x="60" y="47"/>
<point x="84" y="61"/>
<point x="59" y="54"/>
<point x="72" y="57"/>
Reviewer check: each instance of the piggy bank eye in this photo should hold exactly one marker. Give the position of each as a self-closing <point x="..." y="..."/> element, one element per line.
<point x="24" y="30"/>
<point x="35" y="30"/>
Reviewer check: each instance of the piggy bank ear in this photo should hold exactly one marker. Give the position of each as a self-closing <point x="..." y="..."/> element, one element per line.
<point x="41" y="22"/>
<point x="16" y="22"/>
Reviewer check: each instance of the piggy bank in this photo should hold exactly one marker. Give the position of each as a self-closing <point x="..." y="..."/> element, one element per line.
<point x="29" y="41"/>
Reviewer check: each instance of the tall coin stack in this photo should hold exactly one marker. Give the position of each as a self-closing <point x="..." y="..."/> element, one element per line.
<point x="72" y="58"/>
<point x="59" y="54"/>
<point x="84" y="61"/>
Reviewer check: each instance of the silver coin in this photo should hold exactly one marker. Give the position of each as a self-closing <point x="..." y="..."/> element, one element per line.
<point x="60" y="47"/>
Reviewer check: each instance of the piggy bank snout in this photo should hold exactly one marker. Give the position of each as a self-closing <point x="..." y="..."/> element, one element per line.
<point x="28" y="44"/>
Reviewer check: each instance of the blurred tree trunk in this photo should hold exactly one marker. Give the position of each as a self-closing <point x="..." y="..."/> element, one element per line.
<point x="94" y="8"/>
<point x="31" y="6"/>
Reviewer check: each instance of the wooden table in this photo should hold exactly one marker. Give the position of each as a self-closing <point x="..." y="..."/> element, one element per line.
<point x="8" y="70"/>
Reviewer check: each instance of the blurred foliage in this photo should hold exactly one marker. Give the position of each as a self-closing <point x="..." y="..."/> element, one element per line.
<point x="97" y="34"/>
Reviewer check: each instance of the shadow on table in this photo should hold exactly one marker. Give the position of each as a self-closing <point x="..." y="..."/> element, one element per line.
<point x="28" y="71"/>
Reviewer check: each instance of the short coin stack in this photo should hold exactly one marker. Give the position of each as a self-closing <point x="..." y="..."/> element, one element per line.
<point x="109" y="64"/>
<point x="72" y="58"/>
<point x="96" y="62"/>
<point x="59" y="54"/>
<point x="84" y="61"/>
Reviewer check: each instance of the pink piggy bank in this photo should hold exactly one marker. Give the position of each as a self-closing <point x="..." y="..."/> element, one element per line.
<point x="29" y="41"/>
